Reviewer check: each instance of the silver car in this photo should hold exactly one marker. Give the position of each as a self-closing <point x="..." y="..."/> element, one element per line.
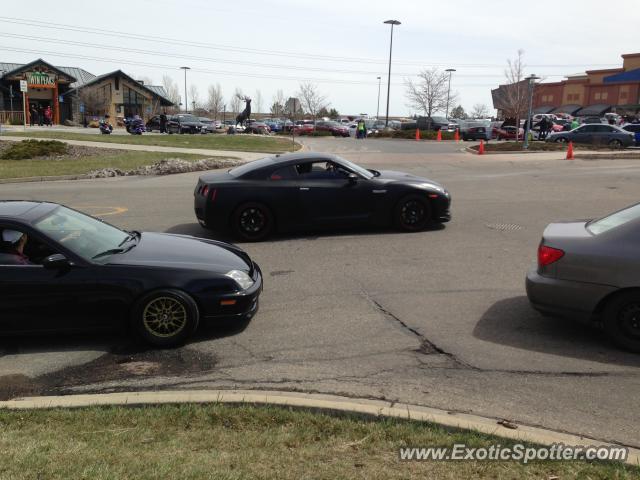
<point x="590" y="270"/>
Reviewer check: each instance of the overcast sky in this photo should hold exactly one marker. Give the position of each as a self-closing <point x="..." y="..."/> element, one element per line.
<point x="342" y="46"/>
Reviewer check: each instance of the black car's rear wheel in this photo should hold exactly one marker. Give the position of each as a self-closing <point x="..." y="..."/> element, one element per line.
<point x="412" y="213"/>
<point x="252" y="222"/>
<point x="615" y="143"/>
<point x="561" y="140"/>
<point x="165" y="318"/>
<point x="621" y="319"/>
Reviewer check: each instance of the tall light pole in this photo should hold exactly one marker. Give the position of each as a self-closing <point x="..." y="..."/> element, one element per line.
<point x="186" y="102"/>
<point x="532" y="80"/>
<point x="378" y="109"/>
<point x="392" y="23"/>
<point x="450" y="70"/>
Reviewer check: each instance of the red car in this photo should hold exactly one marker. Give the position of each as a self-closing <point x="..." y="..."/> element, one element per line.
<point x="336" y="129"/>
<point x="304" y="129"/>
<point x="508" y="133"/>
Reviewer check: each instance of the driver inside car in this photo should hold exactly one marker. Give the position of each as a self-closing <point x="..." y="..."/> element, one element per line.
<point x="12" y="250"/>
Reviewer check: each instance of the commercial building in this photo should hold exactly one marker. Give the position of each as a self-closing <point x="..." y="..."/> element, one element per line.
<point x="592" y="93"/>
<point x="75" y="94"/>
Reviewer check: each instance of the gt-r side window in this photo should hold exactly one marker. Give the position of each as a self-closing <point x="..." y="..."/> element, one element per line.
<point x="285" y="173"/>
<point x="17" y="247"/>
<point x="320" y="170"/>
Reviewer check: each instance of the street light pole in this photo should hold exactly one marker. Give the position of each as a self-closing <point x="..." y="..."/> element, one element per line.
<point x="450" y="70"/>
<point x="392" y="23"/>
<point x="378" y="109"/>
<point x="532" y="79"/>
<point x="186" y="102"/>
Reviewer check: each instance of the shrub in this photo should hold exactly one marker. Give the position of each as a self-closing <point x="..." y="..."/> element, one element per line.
<point x="34" y="148"/>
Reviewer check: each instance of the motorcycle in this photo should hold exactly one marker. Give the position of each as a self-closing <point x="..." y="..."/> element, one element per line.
<point x="106" y="128"/>
<point x="135" y="126"/>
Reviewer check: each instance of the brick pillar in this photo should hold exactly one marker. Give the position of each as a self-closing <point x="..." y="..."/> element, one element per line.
<point x="56" y="105"/>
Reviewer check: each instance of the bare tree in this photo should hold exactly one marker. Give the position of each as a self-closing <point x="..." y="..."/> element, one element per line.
<point x="480" y="110"/>
<point x="278" y="103"/>
<point x="236" y="101"/>
<point x="512" y="97"/>
<point x="171" y="87"/>
<point x="429" y="93"/>
<point x="194" y="97"/>
<point x="215" y="102"/>
<point x="311" y="99"/>
<point x="258" y="102"/>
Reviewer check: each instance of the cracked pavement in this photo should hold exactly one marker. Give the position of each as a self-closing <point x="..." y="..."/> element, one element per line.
<point x="436" y="318"/>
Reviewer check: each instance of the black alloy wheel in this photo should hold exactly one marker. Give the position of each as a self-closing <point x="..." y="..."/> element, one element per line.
<point x="252" y="222"/>
<point x="412" y="213"/>
<point x="621" y="320"/>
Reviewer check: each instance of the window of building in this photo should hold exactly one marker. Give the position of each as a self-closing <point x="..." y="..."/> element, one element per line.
<point x="117" y="82"/>
<point x="597" y="96"/>
<point x="605" y="95"/>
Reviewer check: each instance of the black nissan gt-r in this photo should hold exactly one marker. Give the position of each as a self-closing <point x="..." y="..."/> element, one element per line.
<point x="301" y="191"/>
<point x="62" y="270"/>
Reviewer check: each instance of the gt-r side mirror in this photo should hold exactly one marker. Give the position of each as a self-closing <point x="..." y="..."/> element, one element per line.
<point x="353" y="178"/>
<point x="56" y="262"/>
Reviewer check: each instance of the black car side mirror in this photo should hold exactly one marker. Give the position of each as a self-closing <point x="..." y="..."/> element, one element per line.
<point x="56" y="262"/>
<point x="353" y="178"/>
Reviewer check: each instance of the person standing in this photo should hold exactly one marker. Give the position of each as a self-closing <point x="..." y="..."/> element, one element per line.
<point x="33" y="113"/>
<point x="40" y="115"/>
<point x="574" y="124"/>
<point x="360" y="129"/>
<point x="163" y="122"/>
<point x="48" y="116"/>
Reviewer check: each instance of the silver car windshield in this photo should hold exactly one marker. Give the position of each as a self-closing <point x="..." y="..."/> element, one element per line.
<point x="614" y="220"/>
<point x="83" y="235"/>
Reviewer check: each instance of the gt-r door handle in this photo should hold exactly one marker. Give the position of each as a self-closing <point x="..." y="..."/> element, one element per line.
<point x="304" y="189"/>
<point x="379" y="191"/>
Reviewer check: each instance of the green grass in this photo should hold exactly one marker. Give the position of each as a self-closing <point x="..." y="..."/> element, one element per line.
<point x="237" y="442"/>
<point x="68" y="165"/>
<point x="239" y="142"/>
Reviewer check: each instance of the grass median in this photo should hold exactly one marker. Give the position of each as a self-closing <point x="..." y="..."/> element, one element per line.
<point x="239" y="142"/>
<point x="243" y="441"/>
<point x="79" y="165"/>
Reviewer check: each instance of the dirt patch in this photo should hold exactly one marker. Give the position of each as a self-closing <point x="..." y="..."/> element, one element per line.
<point x="121" y="363"/>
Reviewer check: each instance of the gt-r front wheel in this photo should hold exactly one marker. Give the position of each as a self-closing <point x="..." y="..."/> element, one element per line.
<point x="252" y="222"/>
<point x="412" y="213"/>
<point x="165" y="318"/>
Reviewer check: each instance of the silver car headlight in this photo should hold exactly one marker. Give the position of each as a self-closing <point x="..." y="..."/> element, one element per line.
<point x="243" y="280"/>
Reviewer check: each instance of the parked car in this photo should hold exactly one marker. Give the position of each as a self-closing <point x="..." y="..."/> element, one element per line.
<point x="590" y="271"/>
<point x="594" y="120"/>
<point x="476" y="131"/>
<point x="153" y="123"/>
<point x="208" y="126"/>
<point x="306" y="191"/>
<point x="183" y="123"/>
<point x="336" y="129"/>
<point x="257" y="127"/>
<point x="303" y="129"/>
<point x="426" y="123"/>
<point x="84" y="274"/>
<point x="508" y="132"/>
<point x="596" y="134"/>
<point x="635" y="129"/>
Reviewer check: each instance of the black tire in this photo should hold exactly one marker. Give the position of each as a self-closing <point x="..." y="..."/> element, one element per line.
<point x="621" y="320"/>
<point x="561" y="140"/>
<point x="165" y="318"/>
<point x="617" y="144"/>
<point x="252" y="222"/>
<point x="412" y="213"/>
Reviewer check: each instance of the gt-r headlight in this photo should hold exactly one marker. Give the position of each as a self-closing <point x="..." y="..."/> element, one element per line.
<point x="243" y="280"/>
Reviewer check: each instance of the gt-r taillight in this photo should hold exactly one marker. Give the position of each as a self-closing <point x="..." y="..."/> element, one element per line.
<point x="548" y="255"/>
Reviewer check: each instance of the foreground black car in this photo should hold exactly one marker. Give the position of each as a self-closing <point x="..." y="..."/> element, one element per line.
<point x="313" y="190"/>
<point x="84" y="274"/>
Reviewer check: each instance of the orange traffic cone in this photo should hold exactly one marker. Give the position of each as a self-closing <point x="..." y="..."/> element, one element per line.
<point x="439" y="136"/>
<point x="570" y="151"/>
<point x="456" y="137"/>
<point x="481" y="148"/>
<point x="417" y="134"/>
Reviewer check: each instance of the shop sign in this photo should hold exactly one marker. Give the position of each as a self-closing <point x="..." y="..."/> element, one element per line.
<point x="41" y="79"/>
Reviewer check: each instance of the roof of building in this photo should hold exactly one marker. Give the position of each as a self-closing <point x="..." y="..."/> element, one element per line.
<point x="545" y="109"/>
<point x="596" y="110"/>
<point x="570" y="109"/>
<point x="80" y="75"/>
<point x="629" y="76"/>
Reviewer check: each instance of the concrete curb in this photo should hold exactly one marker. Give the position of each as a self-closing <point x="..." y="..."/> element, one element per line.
<point x="317" y="401"/>
<point x="562" y="153"/>
<point x="43" y="179"/>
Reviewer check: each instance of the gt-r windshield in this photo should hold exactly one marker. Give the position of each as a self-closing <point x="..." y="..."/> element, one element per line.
<point x="357" y="168"/>
<point x="85" y="236"/>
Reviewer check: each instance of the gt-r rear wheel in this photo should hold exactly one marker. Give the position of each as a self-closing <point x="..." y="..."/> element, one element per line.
<point x="252" y="222"/>
<point x="412" y="213"/>
<point x="615" y="144"/>
<point x="165" y="318"/>
<point x="621" y="318"/>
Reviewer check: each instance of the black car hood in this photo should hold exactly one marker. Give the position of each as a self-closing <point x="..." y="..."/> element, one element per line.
<point x="402" y="177"/>
<point x="182" y="251"/>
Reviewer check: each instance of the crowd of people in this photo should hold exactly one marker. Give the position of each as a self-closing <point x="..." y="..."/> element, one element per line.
<point x="40" y="116"/>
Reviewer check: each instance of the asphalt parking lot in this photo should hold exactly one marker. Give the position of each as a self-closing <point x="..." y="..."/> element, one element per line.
<point x="437" y="318"/>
